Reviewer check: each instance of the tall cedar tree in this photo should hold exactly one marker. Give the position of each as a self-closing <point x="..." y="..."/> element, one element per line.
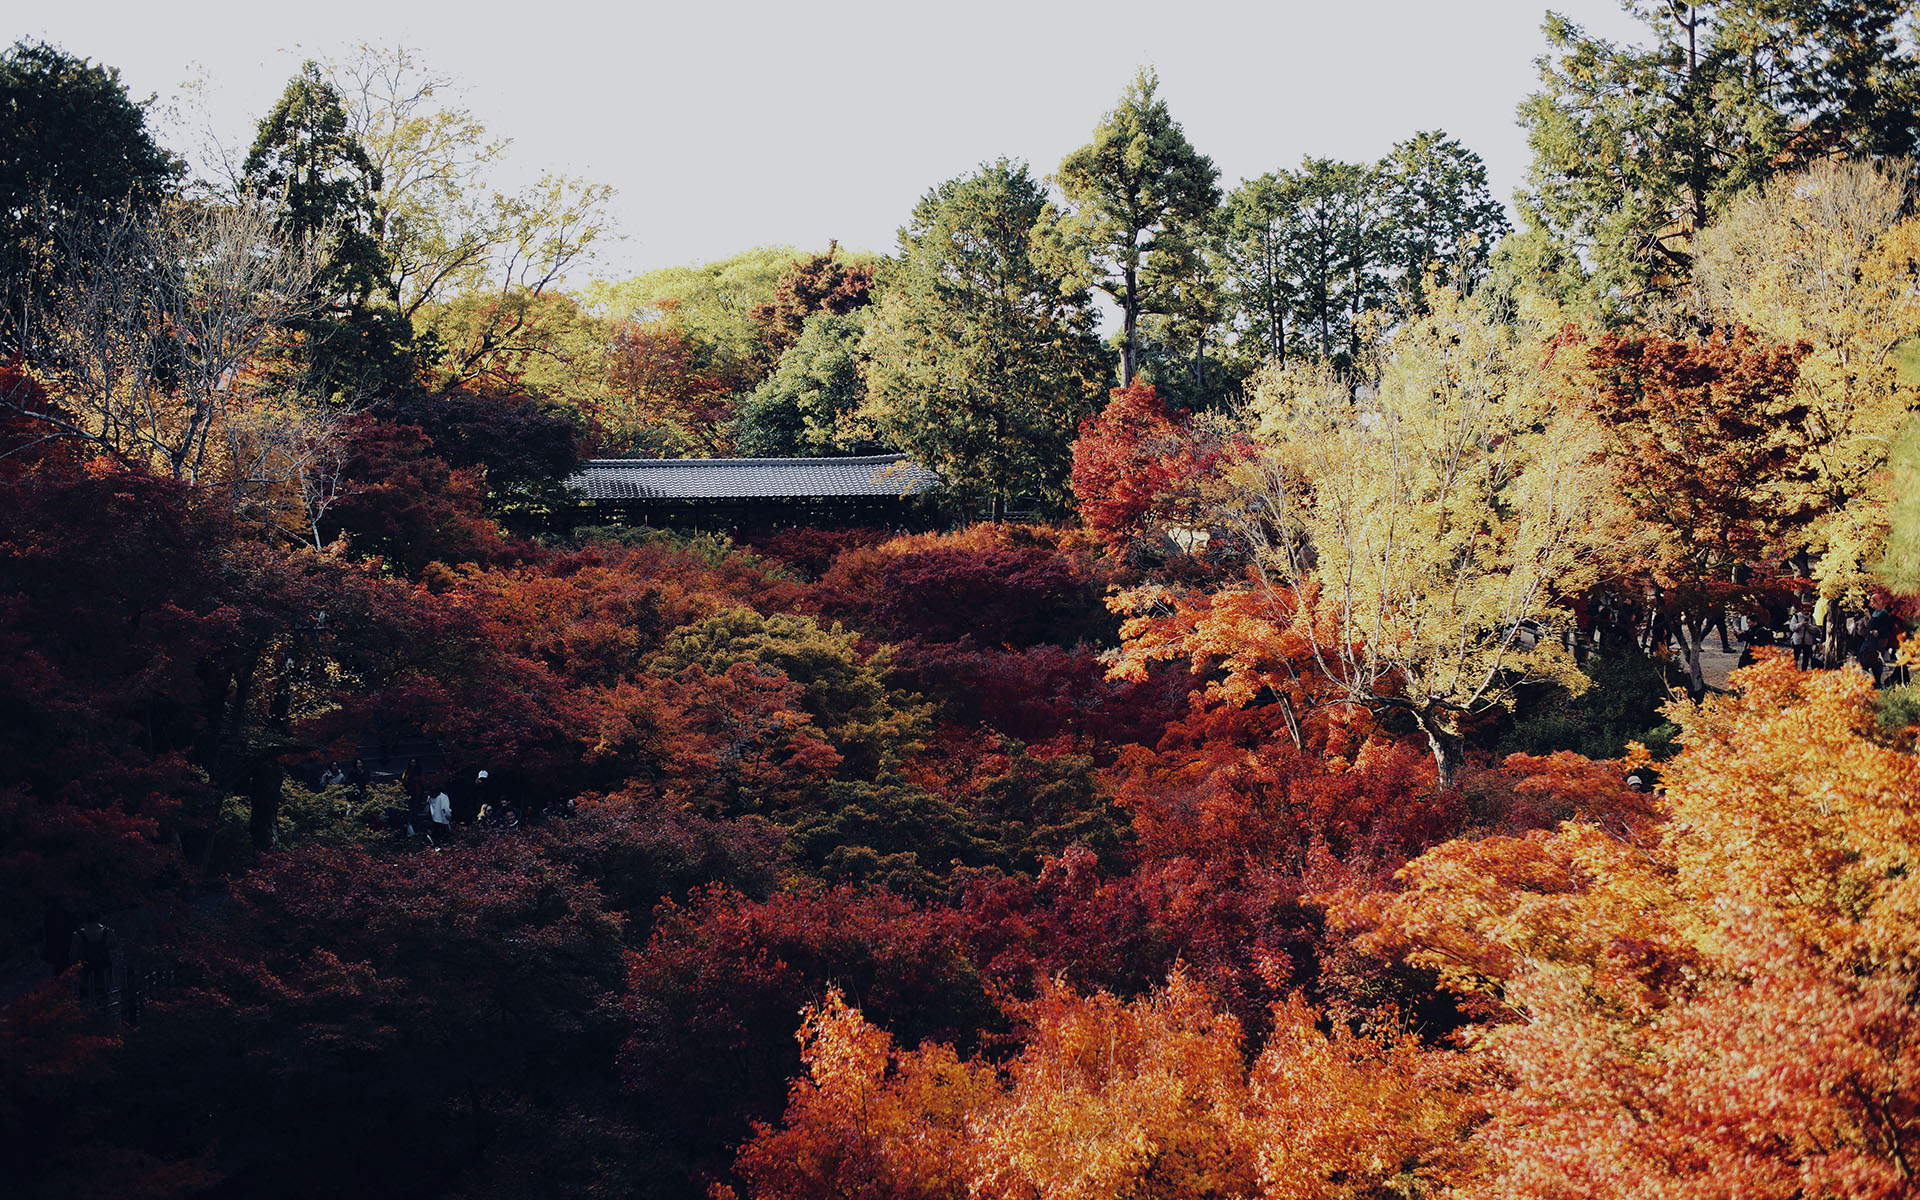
<point x="983" y="357"/>
<point x="1638" y="148"/>
<point x="1141" y="196"/>
<point x="306" y="157"/>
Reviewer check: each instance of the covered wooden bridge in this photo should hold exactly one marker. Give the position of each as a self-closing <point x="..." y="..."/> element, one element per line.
<point x="753" y="494"/>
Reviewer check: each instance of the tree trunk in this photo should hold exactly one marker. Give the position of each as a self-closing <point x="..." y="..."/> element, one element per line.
<point x="1449" y="747"/>
<point x="1693" y="635"/>
<point x="263" y="793"/>
<point x="1129" y="348"/>
<point x="1833" y="647"/>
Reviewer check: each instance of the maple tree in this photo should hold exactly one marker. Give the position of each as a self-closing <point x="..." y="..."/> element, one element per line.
<point x="1824" y="259"/>
<point x="1138" y="467"/>
<point x="662" y="395"/>
<point x="1706" y="446"/>
<point x="1411" y="537"/>
<point x="1087" y="867"/>
<point x="1104" y="1098"/>
<point x="819" y="283"/>
<point x="1728" y="966"/>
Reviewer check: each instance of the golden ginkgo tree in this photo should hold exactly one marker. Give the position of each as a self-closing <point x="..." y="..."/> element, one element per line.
<point x="1420" y="538"/>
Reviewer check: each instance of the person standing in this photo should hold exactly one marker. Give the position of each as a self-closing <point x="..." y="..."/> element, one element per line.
<point x="440" y="816"/>
<point x="413" y="784"/>
<point x="93" y="947"/>
<point x="1800" y="633"/>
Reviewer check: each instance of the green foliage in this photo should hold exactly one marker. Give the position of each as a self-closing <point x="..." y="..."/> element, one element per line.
<point x="870" y="723"/>
<point x="712" y="549"/>
<point x="1898" y="708"/>
<point x="713" y="302"/>
<point x="1638" y="148"/>
<point x="982" y="354"/>
<point x="1442" y="218"/>
<point x="1142" y="199"/>
<point x="1312" y="253"/>
<point x="74" y="147"/>
<point x="306" y="158"/>
<point x="1901" y="566"/>
<point x="330" y="817"/>
<point x="1622" y="705"/>
<point x="806" y="406"/>
<point x="1034" y="808"/>
<point x="556" y="349"/>
<point x="887" y="833"/>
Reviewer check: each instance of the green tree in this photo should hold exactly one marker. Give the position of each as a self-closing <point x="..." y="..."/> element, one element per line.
<point x="1337" y="256"/>
<point x="1638" y="148"/>
<point x="870" y="723"/>
<point x="1901" y="566"/>
<point x="1141" y="196"/>
<point x="1310" y="253"/>
<point x="430" y="210"/>
<point x="74" y="147"/>
<point x="449" y="244"/>
<point x="307" y="158"/>
<point x="1258" y="226"/>
<point x="1411" y="537"/>
<point x="1441" y="215"/>
<point x="807" y="405"/>
<point x="713" y="302"/>
<point x="982" y="357"/>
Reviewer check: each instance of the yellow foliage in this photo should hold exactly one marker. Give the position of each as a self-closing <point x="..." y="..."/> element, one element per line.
<point x="1823" y="257"/>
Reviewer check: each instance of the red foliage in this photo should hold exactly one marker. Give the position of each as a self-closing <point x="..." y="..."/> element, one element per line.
<point x="714" y="994"/>
<point x="811" y="551"/>
<point x="1042" y="693"/>
<point x="1136" y="465"/>
<point x="1709" y="435"/>
<point x="658" y="368"/>
<point x="1000" y="585"/>
<point x="404" y="503"/>
<point x="1227" y="786"/>
<point x="817" y="284"/>
<point x="347" y="997"/>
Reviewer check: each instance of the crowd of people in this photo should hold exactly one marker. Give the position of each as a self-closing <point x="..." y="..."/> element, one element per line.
<point x="1651" y="624"/>
<point x="433" y="810"/>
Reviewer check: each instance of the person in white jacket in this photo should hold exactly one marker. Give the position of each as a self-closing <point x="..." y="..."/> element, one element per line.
<point x="440" y="814"/>
<point x="1800" y="634"/>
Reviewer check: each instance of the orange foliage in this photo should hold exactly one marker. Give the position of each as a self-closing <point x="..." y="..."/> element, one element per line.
<point x="1717" y="999"/>
<point x="1149" y="1098"/>
<point x="868" y="1122"/>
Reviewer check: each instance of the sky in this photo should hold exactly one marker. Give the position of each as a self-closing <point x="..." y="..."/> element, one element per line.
<point x="725" y="124"/>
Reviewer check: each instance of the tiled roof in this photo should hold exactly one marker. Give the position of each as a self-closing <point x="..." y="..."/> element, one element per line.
<point x="750" y="478"/>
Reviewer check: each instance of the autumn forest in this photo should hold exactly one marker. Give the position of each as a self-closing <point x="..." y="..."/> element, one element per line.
<point x="1395" y="694"/>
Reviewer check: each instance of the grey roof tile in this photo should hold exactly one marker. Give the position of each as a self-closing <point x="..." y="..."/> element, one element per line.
<point x="750" y="478"/>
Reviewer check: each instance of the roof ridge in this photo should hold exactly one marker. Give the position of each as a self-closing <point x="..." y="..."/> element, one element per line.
<point x="849" y="460"/>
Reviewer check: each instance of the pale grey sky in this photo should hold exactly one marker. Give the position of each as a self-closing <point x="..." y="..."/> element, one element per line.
<point x="725" y="125"/>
